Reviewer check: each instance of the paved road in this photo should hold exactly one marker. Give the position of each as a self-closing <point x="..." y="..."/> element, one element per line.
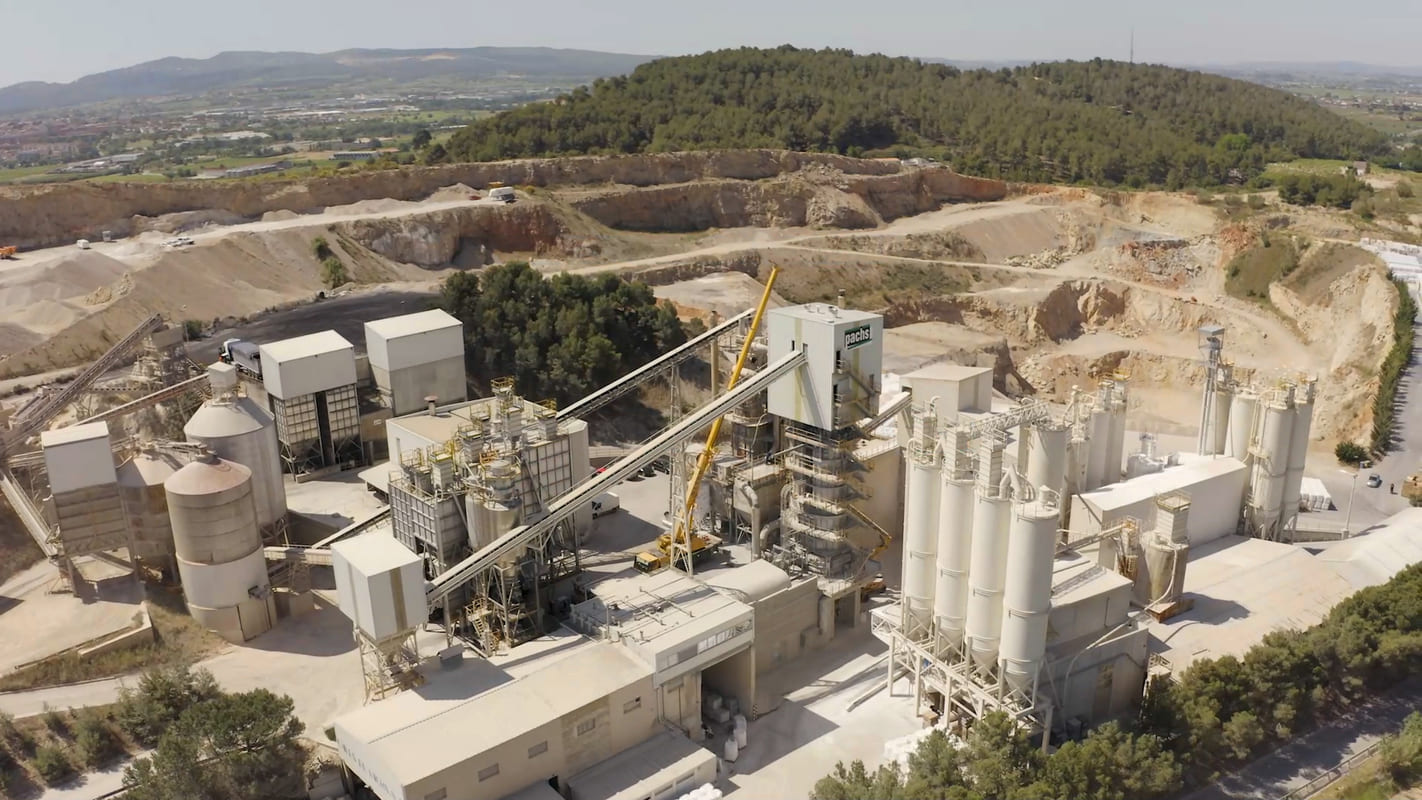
<point x="1371" y="506"/>
<point x="345" y="315"/>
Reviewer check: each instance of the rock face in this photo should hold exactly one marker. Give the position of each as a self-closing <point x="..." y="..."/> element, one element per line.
<point x="468" y="235"/>
<point x="52" y="214"/>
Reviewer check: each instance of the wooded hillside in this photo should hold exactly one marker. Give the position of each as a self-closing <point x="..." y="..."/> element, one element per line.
<point x="1101" y="122"/>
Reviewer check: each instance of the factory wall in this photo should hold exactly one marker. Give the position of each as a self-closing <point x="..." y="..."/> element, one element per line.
<point x="1105" y="683"/>
<point x="622" y="720"/>
<point x="1214" y="512"/>
<point x="1094" y="614"/>
<point x="787" y="625"/>
<point x="885" y="486"/>
<point x="679" y="702"/>
<point x="405" y="389"/>
<point x="734" y="677"/>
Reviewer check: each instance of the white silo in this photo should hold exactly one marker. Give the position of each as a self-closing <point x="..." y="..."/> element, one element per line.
<point x="921" y="528"/>
<point x="1115" y="432"/>
<point x="992" y="515"/>
<point x="1242" y="409"/>
<point x="237" y="429"/>
<point x="955" y="539"/>
<point x="1047" y="456"/>
<point x="1027" y="591"/>
<point x="1301" y="425"/>
<point x="1271" y="467"/>
<point x="1215" y="437"/>
<point x="1098" y="442"/>
<point x="219" y="548"/>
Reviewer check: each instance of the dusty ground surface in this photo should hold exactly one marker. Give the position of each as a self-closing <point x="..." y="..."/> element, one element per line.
<point x="1053" y="287"/>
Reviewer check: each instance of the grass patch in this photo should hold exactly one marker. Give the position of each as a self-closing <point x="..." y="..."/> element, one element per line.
<point x="179" y="641"/>
<point x="1323" y="264"/>
<point x="33" y="754"/>
<point x="1250" y="274"/>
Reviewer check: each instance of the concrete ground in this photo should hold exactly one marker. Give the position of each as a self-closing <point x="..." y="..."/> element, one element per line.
<point x="312" y="658"/>
<point x="791" y="748"/>
<point x="334" y="501"/>
<point x="345" y="315"/>
<point x="35" y="624"/>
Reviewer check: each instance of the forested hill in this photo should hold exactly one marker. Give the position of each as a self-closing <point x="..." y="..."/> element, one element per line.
<point x="1103" y="122"/>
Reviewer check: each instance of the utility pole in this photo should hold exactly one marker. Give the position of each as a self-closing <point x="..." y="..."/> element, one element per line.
<point x="1133" y="44"/>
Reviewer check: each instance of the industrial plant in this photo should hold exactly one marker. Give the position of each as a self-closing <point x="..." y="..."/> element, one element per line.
<point x="1009" y="554"/>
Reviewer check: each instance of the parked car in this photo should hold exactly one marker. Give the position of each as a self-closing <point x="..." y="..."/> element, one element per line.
<point x="1374" y="480"/>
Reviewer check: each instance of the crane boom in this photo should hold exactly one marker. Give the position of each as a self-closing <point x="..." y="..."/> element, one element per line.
<point x="680" y="541"/>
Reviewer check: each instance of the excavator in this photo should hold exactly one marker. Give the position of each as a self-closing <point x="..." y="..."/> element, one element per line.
<point x="682" y="547"/>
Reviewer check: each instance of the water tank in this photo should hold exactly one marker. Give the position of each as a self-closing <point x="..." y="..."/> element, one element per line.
<point x="1241" y="425"/>
<point x="920" y="546"/>
<point x="1098" y="445"/>
<point x="1027" y="592"/>
<point x="237" y="429"/>
<point x="987" y="572"/>
<point x="1047" y="456"/>
<point x="219" y="548"/>
<point x="955" y="540"/>
<point x="1271" y="467"/>
<point x="1301" y="425"/>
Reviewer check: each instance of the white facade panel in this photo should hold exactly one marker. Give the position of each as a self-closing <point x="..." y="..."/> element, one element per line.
<point x="308" y="364"/>
<point x="78" y="457"/>
<point x="406" y="388"/>
<point x="380" y="585"/>
<point x="1215" y="488"/>
<point x="840" y="382"/>
<point x="413" y="339"/>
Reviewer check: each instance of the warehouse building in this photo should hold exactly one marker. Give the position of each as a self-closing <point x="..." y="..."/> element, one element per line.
<point x="1216" y="485"/>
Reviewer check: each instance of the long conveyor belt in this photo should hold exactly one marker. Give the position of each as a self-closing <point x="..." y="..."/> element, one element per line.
<point x="631" y="380"/>
<point x="584" y="493"/>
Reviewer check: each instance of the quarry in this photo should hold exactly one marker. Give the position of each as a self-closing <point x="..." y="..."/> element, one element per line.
<point x="937" y="447"/>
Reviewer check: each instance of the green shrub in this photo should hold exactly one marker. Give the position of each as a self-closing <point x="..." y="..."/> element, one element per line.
<point x="162" y="696"/>
<point x="192" y="329"/>
<point x="1350" y="453"/>
<point x="52" y="763"/>
<point x="55" y="721"/>
<point x="93" y="740"/>
<point x="1404" y="189"/>
<point x="1256" y="202"/>
<point x="333" y="272"/>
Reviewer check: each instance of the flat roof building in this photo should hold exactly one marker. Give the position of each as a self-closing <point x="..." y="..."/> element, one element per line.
<point x="1215" y="487"/>
<point x="455" y="739"/>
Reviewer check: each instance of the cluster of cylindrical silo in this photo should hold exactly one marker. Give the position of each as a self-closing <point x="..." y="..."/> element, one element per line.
<point x="237" y="429"/>
<point x="1279" y="450"/>
<point x="979" y="543"/>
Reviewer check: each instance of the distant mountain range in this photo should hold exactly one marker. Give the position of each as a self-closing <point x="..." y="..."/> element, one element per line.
<point x="388" y="68"/>
<point x="238" y="70"/>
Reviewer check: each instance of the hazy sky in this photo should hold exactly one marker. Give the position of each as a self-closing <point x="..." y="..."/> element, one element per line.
<point x="60" y="40"/>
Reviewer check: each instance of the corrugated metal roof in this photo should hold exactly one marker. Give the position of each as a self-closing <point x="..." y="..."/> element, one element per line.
<point x="313" y="344"/>
<point x="1374" y="557"/>
<point x="412" y="324"/>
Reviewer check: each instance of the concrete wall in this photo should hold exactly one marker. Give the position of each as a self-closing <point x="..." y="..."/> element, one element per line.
<point x="1105" y="683"/>
<point x="621" y="720"/>
<point x="679" y="703"/>
<point x="787" y="625"/>
<point x="734" y="677"/>
<point x="885" y="482"/>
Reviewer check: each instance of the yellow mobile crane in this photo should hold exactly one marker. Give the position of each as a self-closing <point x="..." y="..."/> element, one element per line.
<point x="682" y="546"/>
